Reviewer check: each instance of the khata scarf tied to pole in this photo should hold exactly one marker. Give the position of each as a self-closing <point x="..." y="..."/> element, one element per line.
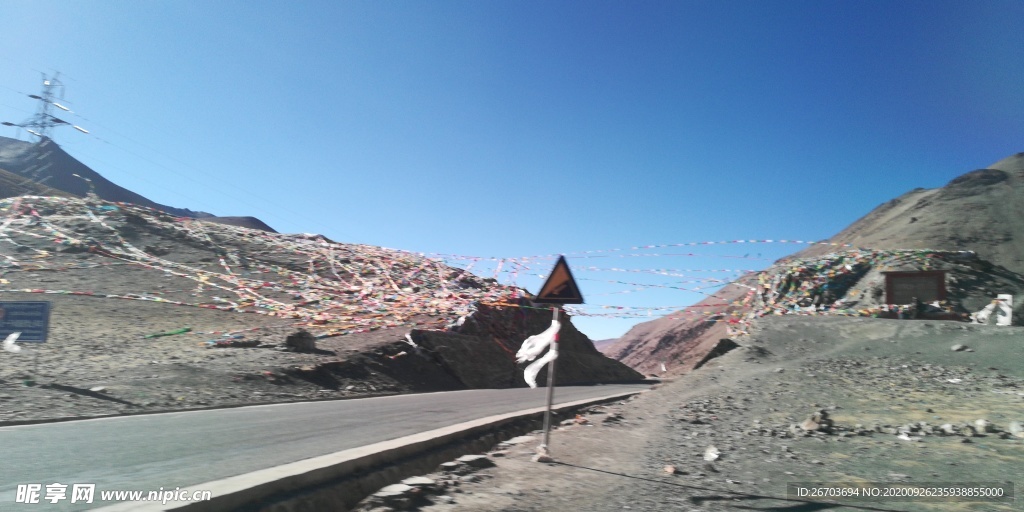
<point x="9" y="343"/>
<point x="534" y="346"/>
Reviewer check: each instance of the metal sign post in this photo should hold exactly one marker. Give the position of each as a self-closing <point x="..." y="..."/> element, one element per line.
<point x="551" y="390"/>
<point x="559" y="288"/>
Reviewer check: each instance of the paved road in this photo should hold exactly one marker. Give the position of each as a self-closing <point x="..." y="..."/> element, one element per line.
<point x="187" y="448"/>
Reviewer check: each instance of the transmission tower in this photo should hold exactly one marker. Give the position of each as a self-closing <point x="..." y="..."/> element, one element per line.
<point x="43" y="122"/>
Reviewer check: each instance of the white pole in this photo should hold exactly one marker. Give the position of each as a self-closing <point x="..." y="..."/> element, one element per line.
<point x="551" y="388"/>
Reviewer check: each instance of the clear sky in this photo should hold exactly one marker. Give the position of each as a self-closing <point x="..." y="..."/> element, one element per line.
<point x="508" y="129"/>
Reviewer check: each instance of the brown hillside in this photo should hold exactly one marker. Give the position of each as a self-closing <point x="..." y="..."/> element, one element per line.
<point x="681" y="340"/>
<point x="981" y="211"/>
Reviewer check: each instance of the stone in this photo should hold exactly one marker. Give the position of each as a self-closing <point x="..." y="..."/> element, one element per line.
<point x="711" y="453"/>
<point x="419" y="481"/>
<point x="984" y="426"/>
<point x="809" y="425"/>
<point x="1016" y="428"/>
<point x="613" y="418"/>
<point x="395" y="488"/>
<point x="958" y="348"/>
<point x="520" y="440"/>
<point x="670" y="469"/>
<point x="947" y="429"/>
<point x="301" y="341"/>
<point x="476" y="461"/>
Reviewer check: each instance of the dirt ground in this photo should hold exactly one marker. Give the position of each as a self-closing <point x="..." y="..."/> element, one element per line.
<point x="888" y="387"/>
<point x="119" y="371"/>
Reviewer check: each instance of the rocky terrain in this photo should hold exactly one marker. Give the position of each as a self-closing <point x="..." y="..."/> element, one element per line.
<point x="152" y="312"/>
<point x="811" y="400"/>
<point x="979" y="212"/>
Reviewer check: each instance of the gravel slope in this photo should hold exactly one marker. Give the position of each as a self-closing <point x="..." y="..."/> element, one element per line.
<point x="871" y="377"/>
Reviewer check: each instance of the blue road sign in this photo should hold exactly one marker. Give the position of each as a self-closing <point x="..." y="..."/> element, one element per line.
<point x="30" y="318"/>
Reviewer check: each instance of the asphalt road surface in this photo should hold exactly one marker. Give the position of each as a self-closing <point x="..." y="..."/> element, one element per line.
<point x="186" y="448"/>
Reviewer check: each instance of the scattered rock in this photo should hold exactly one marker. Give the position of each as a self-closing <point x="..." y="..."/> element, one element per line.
<point x="711" y="453"/>
<point x="519" y="440"/>
<point x="1016" y="429"/>
<point x="420" y="481"/>
<point x="301" y="341"/>
<point x="476" y="461"/>
<point x="542" y="457"/>
<point x="452" y="467"/>
<point x="396" y="488"/>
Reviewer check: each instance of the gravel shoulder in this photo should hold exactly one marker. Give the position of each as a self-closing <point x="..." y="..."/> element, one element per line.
<point x="886" y="389"/>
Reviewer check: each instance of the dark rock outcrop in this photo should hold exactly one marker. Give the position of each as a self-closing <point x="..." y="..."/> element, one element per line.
<point x="482" y="353"/>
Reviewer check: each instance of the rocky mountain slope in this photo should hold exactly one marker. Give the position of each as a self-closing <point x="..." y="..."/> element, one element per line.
<point x="981" y="211"/>
<point x="152" y="311"/>
<point x="47" y="163"/>
<point x="46" y="169"/>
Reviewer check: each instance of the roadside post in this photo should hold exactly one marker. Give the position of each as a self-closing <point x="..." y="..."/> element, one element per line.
<point x="560" y="288"/>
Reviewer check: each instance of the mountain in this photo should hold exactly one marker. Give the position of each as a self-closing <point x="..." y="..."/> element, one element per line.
<point x="46" y="163"/>
<point x="16" y="185"/>
<point x="981" y="212"/>
<point x="46" y="169"/>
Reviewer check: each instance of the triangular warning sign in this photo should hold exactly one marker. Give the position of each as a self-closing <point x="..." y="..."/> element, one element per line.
<point x="560" y="288"/>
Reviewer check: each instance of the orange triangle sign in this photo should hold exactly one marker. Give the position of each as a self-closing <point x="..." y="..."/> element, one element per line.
<point x="560" y="288"/>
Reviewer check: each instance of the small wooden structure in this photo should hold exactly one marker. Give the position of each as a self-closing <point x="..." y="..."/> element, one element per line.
<point x="925" y="286"/>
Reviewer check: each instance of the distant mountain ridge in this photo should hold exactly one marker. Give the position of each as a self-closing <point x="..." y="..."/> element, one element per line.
<point x="47" y="165"/>
<point x="980" y="211"/>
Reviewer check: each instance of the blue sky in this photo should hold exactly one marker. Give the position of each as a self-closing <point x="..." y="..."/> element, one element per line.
<point x="508" y="129"/>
